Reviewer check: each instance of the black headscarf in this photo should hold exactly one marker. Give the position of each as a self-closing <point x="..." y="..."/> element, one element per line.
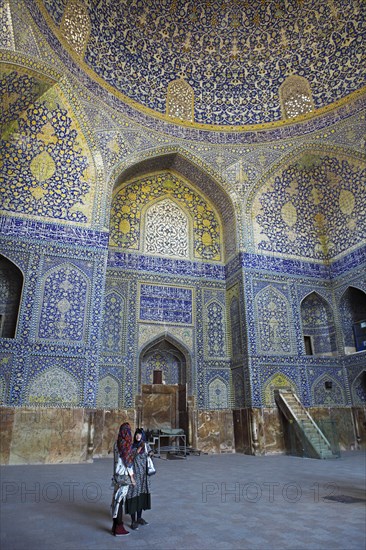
<point x="139" y="445"/>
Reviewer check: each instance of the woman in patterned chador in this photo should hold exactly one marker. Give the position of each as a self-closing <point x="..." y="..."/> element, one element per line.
<point x="138" y="496"/>
<point x="123" y="460"/>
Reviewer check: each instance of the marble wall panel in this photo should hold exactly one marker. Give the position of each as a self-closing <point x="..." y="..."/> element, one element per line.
<point x="273" y="436"/>
<point x="160" y="406"/>
<point x="48" y="436"/>
<point x="336" y="423"/>
<point x="359" y="416"/>
<point x="6" y="431"/>
<point x="242" y="431"/>
<point x="35" y="435"/>
<point x="215" y="431"/>
<point x="106" y="426"/>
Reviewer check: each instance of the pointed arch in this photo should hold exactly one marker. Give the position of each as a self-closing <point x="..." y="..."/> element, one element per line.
<point x="273" y="314"/>
<point x="54" y="387"/>
<point x="169" y="355"/>
<point x="326" y="390"/>
<point x="64" y="299"/>
<point x="318" y="326"/>
<point x="295" y="97"/>
<point x="358" y="389"/>
<point x="136" y="196"/>
<point x="108" y="396"/>
<point x="11" y="285"/>
<point x="285" y="212"/>
<point x="276" y="381"/>
<point x="113" y="326"/>
<point x="180" y="100"/>
<point x="352" y="309"/>
<point x="167" y="229"/>
<point x="63" y="175"/>
<point x="218" y="393"/>
<point x="195" y="171"/>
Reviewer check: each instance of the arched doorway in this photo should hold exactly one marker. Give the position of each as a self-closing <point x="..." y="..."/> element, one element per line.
<point x="164" y="377"/>
<point x="11" y="283"/>
<point x="318" y="326"/>
<point x="353" y="316"/>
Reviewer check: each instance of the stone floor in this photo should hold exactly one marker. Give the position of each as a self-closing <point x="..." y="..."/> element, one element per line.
<point x="201" y="502"/>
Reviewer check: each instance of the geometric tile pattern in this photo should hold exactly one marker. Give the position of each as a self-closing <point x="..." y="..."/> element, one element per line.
<point x="132" y="217"/>
<point x="65" y="297"/>
<point x="234" y="56"/>
<point x="54" y="387"/>
<point x="113" y="323"/>
<point x="47" y="169"/>
<point x="327" y="391"/>
<point x="217" y="394"/>
<point x="166" y="304"/>
<point x="78" y="337"/>
<point x="272" y="312"/>
<point x="317" y="322"/>
<point x="314" y="208"/>
<point x="119" y="361"/>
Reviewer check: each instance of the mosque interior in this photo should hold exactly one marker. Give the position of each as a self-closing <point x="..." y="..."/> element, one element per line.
<point x="182" y="223"/>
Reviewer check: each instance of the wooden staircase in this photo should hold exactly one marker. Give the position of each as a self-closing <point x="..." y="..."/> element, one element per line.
<point x="314" y="442"/>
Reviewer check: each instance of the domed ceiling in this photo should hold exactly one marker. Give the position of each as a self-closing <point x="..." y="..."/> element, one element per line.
<point x="234" y="54"/>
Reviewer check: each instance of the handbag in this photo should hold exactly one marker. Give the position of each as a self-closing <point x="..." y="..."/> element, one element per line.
<point x="150" y="468"/>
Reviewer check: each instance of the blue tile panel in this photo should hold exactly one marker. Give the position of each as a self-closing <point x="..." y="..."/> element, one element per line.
<point x="224" y="52"/>
<point x="50" y="232"/>
<point x="166" y="304"/>
<point x="234" y="112"/>
<point x="296" y="267"/>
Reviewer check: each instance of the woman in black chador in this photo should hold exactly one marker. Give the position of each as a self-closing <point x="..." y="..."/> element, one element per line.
<point x="138" y="496"/>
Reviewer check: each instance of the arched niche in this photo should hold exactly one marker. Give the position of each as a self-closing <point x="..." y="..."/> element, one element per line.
<point x="273" y="314"/>
<point x="197" y="176"/>
<point x="76" y="26"/>
<point x="165" y="381"/>
<point x="317" y="326"/>
<point x="113" y="324"/>
<point x="54" y="387"/>
<point x="52" y="178"/>
<point x="352" y="309"/>
<point x="64" y="302"/>
<point x="218" y="394"/>
<point x="326" y="390"/>
<point x="167" y="229"/>
<point x="11" y="284"/>
<point x="215" y="329"/>
<point x="184" y="223"/>
<point x="295" y="97"/>
<point x="292" y="210"/>
<point x="167" y="356"/>
<point x="180" y="100"/>
<point x="276" y="382"/>
<point x="358" y="389"/>
<point x="108" y="393"/>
